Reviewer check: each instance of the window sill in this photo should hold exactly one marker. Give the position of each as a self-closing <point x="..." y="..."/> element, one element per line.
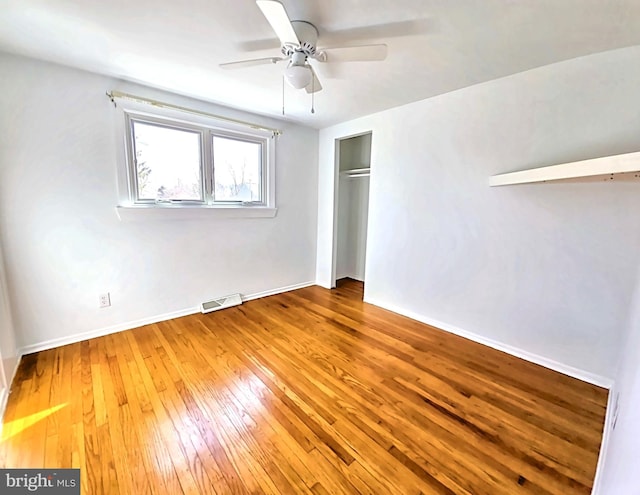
<point x="182" y="212"/>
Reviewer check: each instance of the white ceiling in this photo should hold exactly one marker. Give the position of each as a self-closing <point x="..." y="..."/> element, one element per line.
<point x="435" y="46"/>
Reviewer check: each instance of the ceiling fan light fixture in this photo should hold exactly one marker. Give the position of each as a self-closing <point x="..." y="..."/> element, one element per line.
<point x="298" y="76"/>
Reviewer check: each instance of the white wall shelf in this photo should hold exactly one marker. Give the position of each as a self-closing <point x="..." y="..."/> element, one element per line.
<point x="617" y="164"/>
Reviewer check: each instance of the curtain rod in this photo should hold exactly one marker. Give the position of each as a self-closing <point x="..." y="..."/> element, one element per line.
<point x="118" y="94"/>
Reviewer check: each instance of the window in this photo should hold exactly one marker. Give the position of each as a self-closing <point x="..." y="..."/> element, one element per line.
<point x="167" y="163"/>
<point x="177" y="163"/>
<point x="237" y="170"/>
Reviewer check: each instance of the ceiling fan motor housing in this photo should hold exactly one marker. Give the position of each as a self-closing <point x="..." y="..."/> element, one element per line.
<point x="308" y="37"/>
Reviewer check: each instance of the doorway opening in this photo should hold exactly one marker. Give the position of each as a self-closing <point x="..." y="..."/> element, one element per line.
<point x="352" y="206"/>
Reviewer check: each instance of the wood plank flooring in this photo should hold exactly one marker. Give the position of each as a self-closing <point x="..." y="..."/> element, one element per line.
<point x="312" y="391"/>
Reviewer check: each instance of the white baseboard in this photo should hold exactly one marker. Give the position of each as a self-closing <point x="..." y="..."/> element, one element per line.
<point x="585" y="376"/>
<point x="3" y="405"/>
<point x="606" y="435"/>
<point x="4" y="398"/>
<point x="100" y="332"/>
<point x="352" y="276"/>
<point x="5" y="395"/>
<point x="120" y="327"/>
<point x="280" y="290"/>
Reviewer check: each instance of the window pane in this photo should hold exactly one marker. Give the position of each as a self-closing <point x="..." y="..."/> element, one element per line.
<point x="167" y="163"/>
<point x="237" y="170"/>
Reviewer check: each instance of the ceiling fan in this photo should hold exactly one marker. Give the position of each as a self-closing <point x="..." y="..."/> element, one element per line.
<point x="298" y="46"/>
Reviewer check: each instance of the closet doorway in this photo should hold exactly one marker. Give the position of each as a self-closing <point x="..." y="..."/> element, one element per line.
<point x="352" y="209"/>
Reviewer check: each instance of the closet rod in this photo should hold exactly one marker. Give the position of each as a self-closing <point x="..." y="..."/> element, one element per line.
<point x="357" y="172"/>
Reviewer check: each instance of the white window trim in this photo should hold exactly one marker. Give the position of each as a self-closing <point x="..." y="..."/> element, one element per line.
<point x="128" y="209"/>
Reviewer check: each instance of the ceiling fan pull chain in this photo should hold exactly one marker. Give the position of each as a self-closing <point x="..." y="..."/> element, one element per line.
<point x="283" y="94"/>
<point x="313" y="94"/>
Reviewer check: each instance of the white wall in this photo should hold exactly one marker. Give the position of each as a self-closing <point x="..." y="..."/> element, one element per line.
<point x="353" y="213"/>
<point x="355" y="152"/>
<point x="548" y="269"/>
<point x="343" y="244"/>
<point x="8" y="351"/>
<point x="619" y="475"/>
<point x="64" y="243"/>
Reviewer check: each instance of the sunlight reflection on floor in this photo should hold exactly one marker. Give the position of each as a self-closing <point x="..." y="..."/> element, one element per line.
<point x="12" y="428"/>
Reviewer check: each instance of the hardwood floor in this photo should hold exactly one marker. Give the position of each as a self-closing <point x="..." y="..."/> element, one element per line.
<point x="311" y="391"/>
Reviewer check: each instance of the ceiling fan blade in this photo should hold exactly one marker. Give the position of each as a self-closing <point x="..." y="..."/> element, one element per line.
<point x="314" y="86"/>
<point x="401" y="29"/>
<point x="279" y="20"/>
<point x="365" y="53"/>
<point x="250" y="63"/>
<point x="331" y="71"/>
<point x="355" y="35"/>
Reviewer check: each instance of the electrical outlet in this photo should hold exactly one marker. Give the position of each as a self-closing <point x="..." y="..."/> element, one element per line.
<point x="105" y="300"/>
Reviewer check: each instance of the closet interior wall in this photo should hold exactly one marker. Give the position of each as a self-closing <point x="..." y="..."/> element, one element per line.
<point x="353" y="207"/>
